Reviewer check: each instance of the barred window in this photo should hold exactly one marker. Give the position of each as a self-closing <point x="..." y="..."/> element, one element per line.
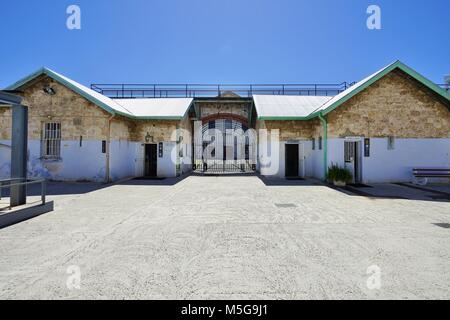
<point x="51" y="140"/>
<point x="320" y="143"/>
<point x="349" y="151"/>
<point x="314" y="143"/>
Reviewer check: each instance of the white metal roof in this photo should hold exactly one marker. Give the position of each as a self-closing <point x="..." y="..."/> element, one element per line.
<point x="167" y="108"/>
<point x="278" y="106"/>
<point x="156" y="108"/>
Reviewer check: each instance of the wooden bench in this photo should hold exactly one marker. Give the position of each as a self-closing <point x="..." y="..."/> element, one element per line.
<point x="422" y="174"/>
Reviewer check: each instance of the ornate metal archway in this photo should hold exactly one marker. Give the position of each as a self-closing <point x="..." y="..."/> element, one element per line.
<point x="224" y="144"/>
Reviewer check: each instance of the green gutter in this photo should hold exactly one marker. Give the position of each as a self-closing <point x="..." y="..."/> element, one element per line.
<point x="324" y="145"/>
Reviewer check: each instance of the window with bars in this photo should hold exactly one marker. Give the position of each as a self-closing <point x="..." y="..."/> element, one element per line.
<point x="320" y="143"/>
<point x="51" y="140"/>
<point x="349" y="151"/>
<point x="313" y="143"/>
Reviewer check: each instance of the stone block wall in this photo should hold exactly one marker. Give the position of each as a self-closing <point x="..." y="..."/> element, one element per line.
<point x="393" y="106"/>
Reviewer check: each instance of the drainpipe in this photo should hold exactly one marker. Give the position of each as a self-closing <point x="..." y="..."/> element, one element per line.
<point x="108" y="141"/>
<point x="325" y="145"/>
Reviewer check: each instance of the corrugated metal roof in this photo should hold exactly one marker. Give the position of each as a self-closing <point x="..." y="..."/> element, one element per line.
<point x="171" y="108"/>
<point x="164" y="108"/>
<point x="279" y="107"/>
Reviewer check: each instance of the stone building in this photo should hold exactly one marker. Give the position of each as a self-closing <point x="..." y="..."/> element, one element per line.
<point x="380" y="128"/>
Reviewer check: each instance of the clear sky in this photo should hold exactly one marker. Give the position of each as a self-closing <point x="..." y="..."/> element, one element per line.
<point x="229" y="41"/>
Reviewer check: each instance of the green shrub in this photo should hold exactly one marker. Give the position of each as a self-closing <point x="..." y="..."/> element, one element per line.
<point x="336" y="173"/>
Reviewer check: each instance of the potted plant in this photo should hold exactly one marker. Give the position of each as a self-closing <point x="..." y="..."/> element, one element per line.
<point x="339" y="176"/>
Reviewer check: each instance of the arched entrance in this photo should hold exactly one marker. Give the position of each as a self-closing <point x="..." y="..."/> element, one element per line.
<point x="224" y="144"/>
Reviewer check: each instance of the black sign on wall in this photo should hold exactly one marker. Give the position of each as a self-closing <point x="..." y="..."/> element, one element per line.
<point x="160" y="149"/>
<point x="366" y="147"/>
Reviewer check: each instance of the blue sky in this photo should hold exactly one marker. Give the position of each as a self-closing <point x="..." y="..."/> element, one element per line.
<point x="230" y="41"/>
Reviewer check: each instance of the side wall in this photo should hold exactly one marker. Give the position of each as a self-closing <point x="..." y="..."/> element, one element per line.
<point x="399" y="107"/>
<point x="83" y="127"/>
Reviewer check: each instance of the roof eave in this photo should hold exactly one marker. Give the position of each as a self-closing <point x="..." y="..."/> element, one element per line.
<point x="398" y="64"/>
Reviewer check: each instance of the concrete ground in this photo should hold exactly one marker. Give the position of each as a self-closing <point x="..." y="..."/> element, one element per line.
<point x="227" y="238"/>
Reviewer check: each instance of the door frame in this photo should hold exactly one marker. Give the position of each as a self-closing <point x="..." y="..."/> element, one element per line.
<point x="144" y="173"/>
<point x="286" y="159"/>
<point x="356" y="163"/>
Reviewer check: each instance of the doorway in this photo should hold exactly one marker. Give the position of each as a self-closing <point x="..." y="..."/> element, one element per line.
<point x="150" y="160"/>
<point x="291" y="160"/>
<point x="352" y="155"/>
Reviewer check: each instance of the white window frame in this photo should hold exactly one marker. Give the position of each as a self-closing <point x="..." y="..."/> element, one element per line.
<point x="51" y="140"/>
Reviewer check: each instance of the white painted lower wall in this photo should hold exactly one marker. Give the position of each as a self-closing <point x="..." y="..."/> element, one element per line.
<point x="382" y="165"/>
<point x="122" y="159"/>
<point x="395" y="165"/>
<point x="88" y="163"/>
<point x="77" y="163"/>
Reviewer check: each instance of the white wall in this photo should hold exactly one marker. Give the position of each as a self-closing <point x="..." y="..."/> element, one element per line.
<point x="5" y="159"/>
<point x="395" y="165"/>
<point x="77" y="163"/>
<point x="167" y="165"/>
<point x="123" y="156"/>
<point x="385" y="165"/>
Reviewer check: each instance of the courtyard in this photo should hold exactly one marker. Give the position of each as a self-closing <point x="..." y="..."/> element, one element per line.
<point x="229" y="237"/>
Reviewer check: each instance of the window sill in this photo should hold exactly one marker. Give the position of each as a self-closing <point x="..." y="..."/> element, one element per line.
<point x="51" y="159"/>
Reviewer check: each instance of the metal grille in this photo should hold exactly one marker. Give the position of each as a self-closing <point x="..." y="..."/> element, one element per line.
<point x="349" y="151"/>
<point x="51" y="140"/>
<point x="223" y="151"/>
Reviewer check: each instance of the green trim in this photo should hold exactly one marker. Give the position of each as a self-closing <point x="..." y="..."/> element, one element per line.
<point x="380" y="75"/>
<point x="58" y="78"/>
<point x="287" y="118"/>
<point x="354" y="91"/>
<point x="324" y="145"/>
<point x="87" y="96"/>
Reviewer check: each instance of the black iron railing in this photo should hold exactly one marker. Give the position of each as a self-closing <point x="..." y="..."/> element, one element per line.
<point x="213" y="90"/>
<point x="219" y="90"/>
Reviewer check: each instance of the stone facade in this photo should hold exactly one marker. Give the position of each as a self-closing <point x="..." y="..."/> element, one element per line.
<point x="208" y="108"/>
<point x="292" y="130"/>
<point x="78" y="116"/>
<point x="154" y="130"/>
<point x="393" y="106"/>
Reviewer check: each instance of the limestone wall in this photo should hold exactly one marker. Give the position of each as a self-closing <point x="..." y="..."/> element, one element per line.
<point x="210" y="108"/>
<point x="78" y="116"/>
<point x="393" y="106"/>
<point x="159" y="130"/>
<point x="291" y="130"/>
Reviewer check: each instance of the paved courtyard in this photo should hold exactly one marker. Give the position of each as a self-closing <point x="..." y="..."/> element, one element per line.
<point x="227" y="238"/>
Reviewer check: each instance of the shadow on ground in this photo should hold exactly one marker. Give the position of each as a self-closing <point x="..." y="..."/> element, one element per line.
<point x="277" y="182"/>
<point x="405" y="191"/>
<point x="62" y="188"/>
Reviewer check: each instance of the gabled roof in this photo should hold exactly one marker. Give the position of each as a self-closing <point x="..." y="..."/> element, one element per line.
<point x="157" y="108"/>
<point x="281" y="107"/>
<point x="363" y="84"/>
<point x="306" y="107"/>
<point x="113" y="106"/>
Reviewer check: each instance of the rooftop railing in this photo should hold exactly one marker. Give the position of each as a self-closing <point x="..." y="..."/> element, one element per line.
<point x="121" y="90"/>
<point x="215" y="90"/>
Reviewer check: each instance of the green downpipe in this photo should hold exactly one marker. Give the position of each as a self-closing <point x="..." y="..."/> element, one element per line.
<point x="325" y="145"/>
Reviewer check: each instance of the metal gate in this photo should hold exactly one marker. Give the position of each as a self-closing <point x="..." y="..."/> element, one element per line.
<point x="224" y="146"/>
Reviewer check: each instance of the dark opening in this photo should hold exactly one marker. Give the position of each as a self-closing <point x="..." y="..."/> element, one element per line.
<point x="151" y="159"/>
<point x="292" y="160"/>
